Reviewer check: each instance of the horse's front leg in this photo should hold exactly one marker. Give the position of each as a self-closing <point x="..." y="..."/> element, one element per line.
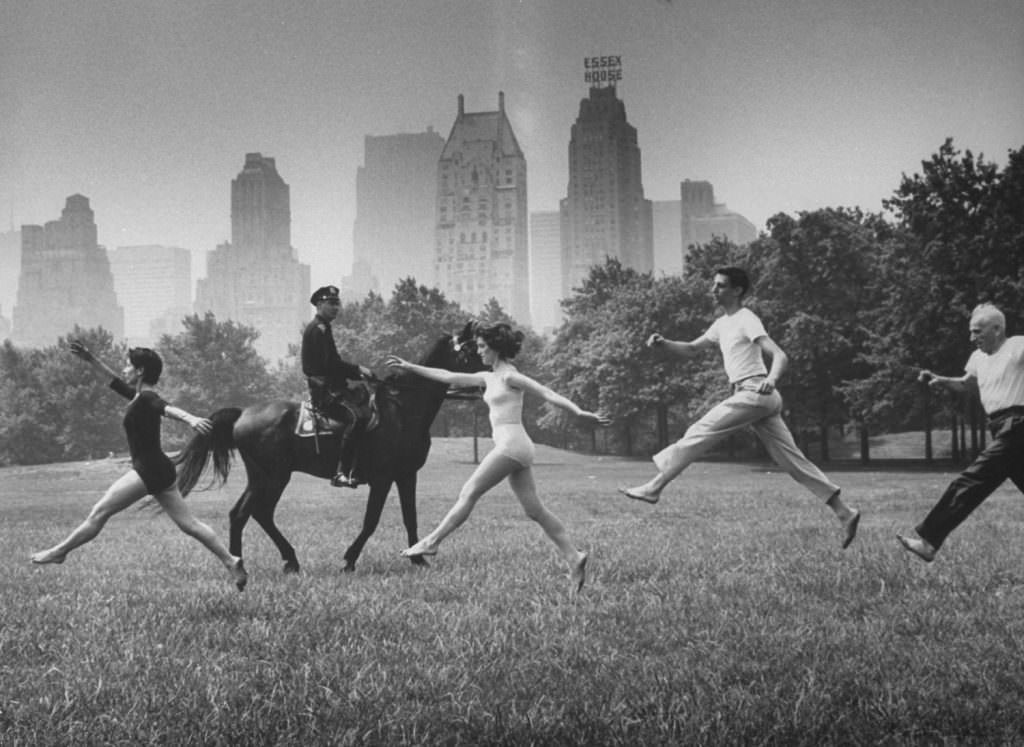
<point x="371" y="518"/>
<point x="407" y="500"/>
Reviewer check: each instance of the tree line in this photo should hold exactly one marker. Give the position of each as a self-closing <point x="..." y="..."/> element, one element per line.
<point x="860" y="302"/>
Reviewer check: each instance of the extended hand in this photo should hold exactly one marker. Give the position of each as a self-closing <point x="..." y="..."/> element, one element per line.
<point x="598" y="418"/>
<point x="395" y="362"/>
<point x="203" y="425"/>
<point x="927" y="377"/>
<point x="80" y="350"/>
<point x="655" y="340"/>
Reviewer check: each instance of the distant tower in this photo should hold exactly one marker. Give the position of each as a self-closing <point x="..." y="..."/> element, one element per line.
<point x="481" y="235"/>
<point x="65" y="280"/>
<point x="396" y="199"/>
<point x="257" y="279"/>
<point x="604" y="213"/>
<point x="10" y="267"/>
<point x="545" y="270"/>
<point x="701" y="218"/>
<point x="154" y="285"/>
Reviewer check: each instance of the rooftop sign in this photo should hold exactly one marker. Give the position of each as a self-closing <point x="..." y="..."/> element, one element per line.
<point x="602" y="71"/>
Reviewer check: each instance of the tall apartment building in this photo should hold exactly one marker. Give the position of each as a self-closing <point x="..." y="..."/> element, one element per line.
<point x="154" y="286"/>
<point x="667" y="222"/>
<point x="396" y="200"/>
<point x="702" y="218"/>
<point x="604" y="213"/>
<point x="10" y="268"/>
<point x="545" y="270"/>
<point x="65" y="280"/>
<point x="257" y="279"/>
<point x="481" y="240"/>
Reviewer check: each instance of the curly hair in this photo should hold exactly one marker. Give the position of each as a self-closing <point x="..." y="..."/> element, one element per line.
<point x="502" y="339"/>
<point x="149" y="361"/>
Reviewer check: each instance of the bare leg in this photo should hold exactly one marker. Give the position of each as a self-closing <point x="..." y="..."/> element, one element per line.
<point x="493" y="469"/>
<point x="125" y="491"/>
<point x="175" y="507"/>
<point x="525" y="489"/>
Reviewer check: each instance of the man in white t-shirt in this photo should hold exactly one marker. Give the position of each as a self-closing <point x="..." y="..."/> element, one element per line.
<point x="755" y="401"/>
<point x="996" y="369"/>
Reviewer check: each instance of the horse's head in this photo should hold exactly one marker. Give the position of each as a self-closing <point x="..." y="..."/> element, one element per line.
<point x="457" y="351"/>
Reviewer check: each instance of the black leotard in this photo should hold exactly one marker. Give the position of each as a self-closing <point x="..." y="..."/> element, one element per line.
<point x="142" y="426"/>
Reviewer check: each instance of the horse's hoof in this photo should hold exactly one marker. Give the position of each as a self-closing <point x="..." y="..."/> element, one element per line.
<point x="349" y="567"/>
<point x="291" y="566"/>
<point x="419" y="560"/>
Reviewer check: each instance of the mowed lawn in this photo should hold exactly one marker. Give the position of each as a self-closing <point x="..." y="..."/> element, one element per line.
<point x="726" y="614"/>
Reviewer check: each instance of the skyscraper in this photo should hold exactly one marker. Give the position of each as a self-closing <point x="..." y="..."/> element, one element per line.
<point x="702" y="218"/>
<point x="545" y="270"/>
<point x="10" y="268"/>
<point x="396" y="200"/>
<point x="154" y="286"/>
<point x="65" y="279"/>
<point x="482" y="223"/>
<point x="257" y="279"/>
<point x="604" y="213"/>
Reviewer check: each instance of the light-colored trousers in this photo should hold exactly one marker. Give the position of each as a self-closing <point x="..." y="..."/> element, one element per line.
<point x="762" y="413"/>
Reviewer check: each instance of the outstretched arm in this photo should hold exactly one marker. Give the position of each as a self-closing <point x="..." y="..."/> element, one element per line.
<point x="519" y="381"/>
<point x="679" y="348"/>
<point x="441" y="375"/>
<point x="952" y="383"/>
<point x="203" y="425"/>
<point x="102" y="369"/>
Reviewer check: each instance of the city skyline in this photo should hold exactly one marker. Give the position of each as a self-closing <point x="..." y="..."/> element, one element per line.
<point x="147" y="109"/>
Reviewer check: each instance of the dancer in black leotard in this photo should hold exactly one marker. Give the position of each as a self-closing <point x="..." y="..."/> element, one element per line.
<point x="152" y="472"/>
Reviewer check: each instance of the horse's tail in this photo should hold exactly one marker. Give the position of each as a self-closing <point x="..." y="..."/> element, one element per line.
<point x="219" y="443"/>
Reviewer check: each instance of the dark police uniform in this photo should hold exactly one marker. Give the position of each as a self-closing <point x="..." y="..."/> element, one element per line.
<point x="328" y="375"/>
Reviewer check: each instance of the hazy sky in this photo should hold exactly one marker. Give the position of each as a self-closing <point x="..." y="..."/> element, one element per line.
<point x="148" y="107"/>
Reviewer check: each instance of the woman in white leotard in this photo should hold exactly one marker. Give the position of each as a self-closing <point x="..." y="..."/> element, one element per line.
<point x="512" y="456"/>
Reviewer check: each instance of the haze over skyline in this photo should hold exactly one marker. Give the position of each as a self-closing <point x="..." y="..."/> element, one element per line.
<point x="148" y="108"/>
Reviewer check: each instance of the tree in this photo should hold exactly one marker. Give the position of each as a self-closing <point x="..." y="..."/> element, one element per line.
<point x="213" y="364"/>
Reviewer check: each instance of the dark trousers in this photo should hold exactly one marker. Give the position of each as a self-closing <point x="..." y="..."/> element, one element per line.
<point x="335" y="407"/>
<point x="1004" y="458"/>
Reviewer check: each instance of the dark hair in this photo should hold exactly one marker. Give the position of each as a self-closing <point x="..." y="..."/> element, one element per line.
<point x="148" y="361"/>
<point x="737" y="278"/>
<point x="502" y="339"/>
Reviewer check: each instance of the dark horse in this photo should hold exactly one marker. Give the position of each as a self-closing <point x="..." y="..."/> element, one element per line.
<point x="392" y="453"/>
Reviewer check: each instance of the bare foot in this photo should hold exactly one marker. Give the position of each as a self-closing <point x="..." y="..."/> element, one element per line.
<point x="238" y="574"/>
<point x="578" y="575"/>
<point x="423" y="547"/>
<point x="48" y="556"/>
<point x="640" y="494"/>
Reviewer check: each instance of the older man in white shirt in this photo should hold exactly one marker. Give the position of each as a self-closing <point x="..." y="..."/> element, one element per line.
<point x="996" y="369"/>
<point x="743" y="342"/>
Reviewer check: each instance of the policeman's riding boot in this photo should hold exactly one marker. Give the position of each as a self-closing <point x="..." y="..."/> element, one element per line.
<point x="342" y="478"/>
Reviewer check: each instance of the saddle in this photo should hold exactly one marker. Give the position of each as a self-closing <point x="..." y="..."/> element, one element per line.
<point x="314" y="422"/>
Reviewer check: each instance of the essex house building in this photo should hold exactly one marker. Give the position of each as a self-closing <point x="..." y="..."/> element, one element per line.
<point x="481" y="235"/>
<point x="604" y="213"/>
<point x="257" y="279"/>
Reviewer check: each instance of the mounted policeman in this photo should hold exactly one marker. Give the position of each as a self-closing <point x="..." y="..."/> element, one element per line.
<point x="335" y="385"/>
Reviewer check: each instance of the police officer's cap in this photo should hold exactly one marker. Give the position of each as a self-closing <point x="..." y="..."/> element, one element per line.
<point x="324" y="293"/>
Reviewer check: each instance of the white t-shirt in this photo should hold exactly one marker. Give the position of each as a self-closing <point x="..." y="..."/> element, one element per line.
<point x="735" y="334"/>
<point x="1000" y="375"/>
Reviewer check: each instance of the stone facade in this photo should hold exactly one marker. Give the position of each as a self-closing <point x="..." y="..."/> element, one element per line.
<point x="482" y="243"/>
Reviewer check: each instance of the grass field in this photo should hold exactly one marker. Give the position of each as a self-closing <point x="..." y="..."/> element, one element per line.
<point x="727" y="614"/>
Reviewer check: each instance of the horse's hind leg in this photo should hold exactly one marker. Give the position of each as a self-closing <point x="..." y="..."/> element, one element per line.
<point x="237" y="518"/>
<point x="407" y="500"/>
<point x="371" y="518"/>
